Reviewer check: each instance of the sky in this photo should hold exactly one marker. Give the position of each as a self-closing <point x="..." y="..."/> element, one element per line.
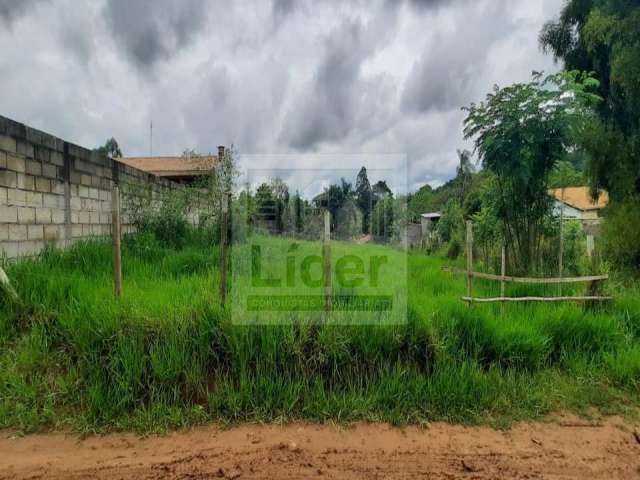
<point x="290" y="84"/>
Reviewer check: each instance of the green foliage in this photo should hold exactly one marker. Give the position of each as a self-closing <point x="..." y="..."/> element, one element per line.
<point x="520" y="132"/>
<point x="421" y="202"/>
<point x="452" y="224"/>
<point x="574" y="250"/>
<point x="165" y="217"/>
<point x="349" y="220"/>
<point x="603" y="36"/>
<point x="382" y="219"/>
<point x="364" y="199"/>
<point x="110" y="149"/>
<point x="565" y="174"/>
<point x="621" y="232"/>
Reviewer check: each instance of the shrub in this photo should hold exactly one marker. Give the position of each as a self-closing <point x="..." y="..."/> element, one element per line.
<point x="164" y="217"/>
<point x="621" y="234"/>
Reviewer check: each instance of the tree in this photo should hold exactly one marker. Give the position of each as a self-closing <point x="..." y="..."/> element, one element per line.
<point x="420" y="202"/>
<point x="265" y="211"/>
<point x="565" y="174"/>
<point x="110" y="149"/>
<point x="382" y="219"/>
<point x="520" y="132"/>
<point x="381" y="190"/>
<point x="333" y="198"/>
<point x="364" y="198"/>
<point x="603" y="36"/>
<point x="348" y="219"/>
<point x="280" y="192"/>
<point x="464" y="172"/>
<point x="298" y="209"/>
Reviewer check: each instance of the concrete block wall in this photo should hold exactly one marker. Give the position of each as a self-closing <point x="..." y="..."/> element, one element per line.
<point x="55" y="192"/>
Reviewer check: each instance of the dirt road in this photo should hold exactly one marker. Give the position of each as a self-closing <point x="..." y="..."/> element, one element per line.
<point x="565" y="448"/>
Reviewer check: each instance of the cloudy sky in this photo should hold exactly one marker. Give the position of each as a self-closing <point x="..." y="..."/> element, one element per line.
<point x="319" y="78"/>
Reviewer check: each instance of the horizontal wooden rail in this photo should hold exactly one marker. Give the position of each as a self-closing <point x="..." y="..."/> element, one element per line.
<point x="506" y="278"/>
<point x="535" y="299"/>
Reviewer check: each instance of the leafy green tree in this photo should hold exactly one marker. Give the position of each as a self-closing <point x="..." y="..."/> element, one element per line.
<point x="333" y="198"/>
<point x="603" y="36"/>
<point x="381" y="190"/>
<point x="280" y="192"/>
<point x="520" y="132"/>
<point x="464" y="172"/>
<point x="348" y="220"/>
<point x="451" y="228"/>
<point x="382" y="219"/>
<point x="420" y="202"/>
<point x="364" y="198"/>
<point x="110" y="149"/>
<point x="265" y="208"/>
<point x="298" y="208"/>
<point x="564" y="174"/>
<point x="620" y="234"/>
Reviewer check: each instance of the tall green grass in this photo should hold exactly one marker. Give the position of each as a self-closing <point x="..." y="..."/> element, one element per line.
<point x="166" y="355"/>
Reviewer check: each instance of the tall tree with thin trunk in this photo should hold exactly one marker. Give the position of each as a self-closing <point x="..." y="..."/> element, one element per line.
<point x="364" y="199"/>
<point x="520" y="132"/>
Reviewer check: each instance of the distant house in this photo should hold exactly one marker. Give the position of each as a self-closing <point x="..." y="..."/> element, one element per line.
<point x="423" y="234"/>
<point x="428" y="221"/>
<point x="577" y="203"/>
<point x="178" y="169"/>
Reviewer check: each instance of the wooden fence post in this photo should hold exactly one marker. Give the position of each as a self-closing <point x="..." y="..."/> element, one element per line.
<point x="115" y="232"/>
<point x="326" y="256"/>
<point x="590" y="245"/>
<point x="470" y="260"/>
<point x="224" y="228"/>
<point x="503" y="271"/>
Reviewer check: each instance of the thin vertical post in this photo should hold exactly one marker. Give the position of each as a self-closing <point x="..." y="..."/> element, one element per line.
<point x="115" y="232"/>
<point x="561" y="249"/>
<point x="503" y="271"/>
<point x="224" y="228"/>
<point x="326" y="256"/>
<point x="590" y="245"/>
<point x="470" y="260"/>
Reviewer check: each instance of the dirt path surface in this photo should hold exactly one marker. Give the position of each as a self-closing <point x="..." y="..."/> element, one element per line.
<point x="566" y="448"/>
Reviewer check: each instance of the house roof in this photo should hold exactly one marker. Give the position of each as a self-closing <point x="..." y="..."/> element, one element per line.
<point x="173" y="166"/>
<point x="431" y="215"/>
<point x="580" y="198"/>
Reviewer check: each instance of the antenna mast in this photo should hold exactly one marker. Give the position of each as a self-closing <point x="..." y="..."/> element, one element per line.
<point x="151" y="138"/>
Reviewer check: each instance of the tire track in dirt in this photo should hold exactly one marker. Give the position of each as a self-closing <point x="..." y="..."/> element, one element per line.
<point x="565" y="448"/>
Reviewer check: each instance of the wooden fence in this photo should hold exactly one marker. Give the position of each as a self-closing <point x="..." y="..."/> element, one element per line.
<point x="503" y="279"/>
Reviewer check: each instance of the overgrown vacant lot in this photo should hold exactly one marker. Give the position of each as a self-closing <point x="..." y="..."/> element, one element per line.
<point x="166" y="355"/>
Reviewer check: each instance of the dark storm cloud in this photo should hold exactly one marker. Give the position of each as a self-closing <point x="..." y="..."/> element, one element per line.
<point x="282" y="8"/>
<point x="339" y="100"/>
<point x="153" y="30"/>
<point x="327" y="111"/>
<point x="10" y="10"/>
<point x="445" y="77"/>
<point x="433" y="3"/>
<point x="281" y="76"/>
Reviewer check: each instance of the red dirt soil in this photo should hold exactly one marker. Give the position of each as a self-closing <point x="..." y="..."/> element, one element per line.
<point x="565" y="448"/>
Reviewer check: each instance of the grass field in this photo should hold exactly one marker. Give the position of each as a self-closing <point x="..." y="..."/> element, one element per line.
<point x="165" y="355"/>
